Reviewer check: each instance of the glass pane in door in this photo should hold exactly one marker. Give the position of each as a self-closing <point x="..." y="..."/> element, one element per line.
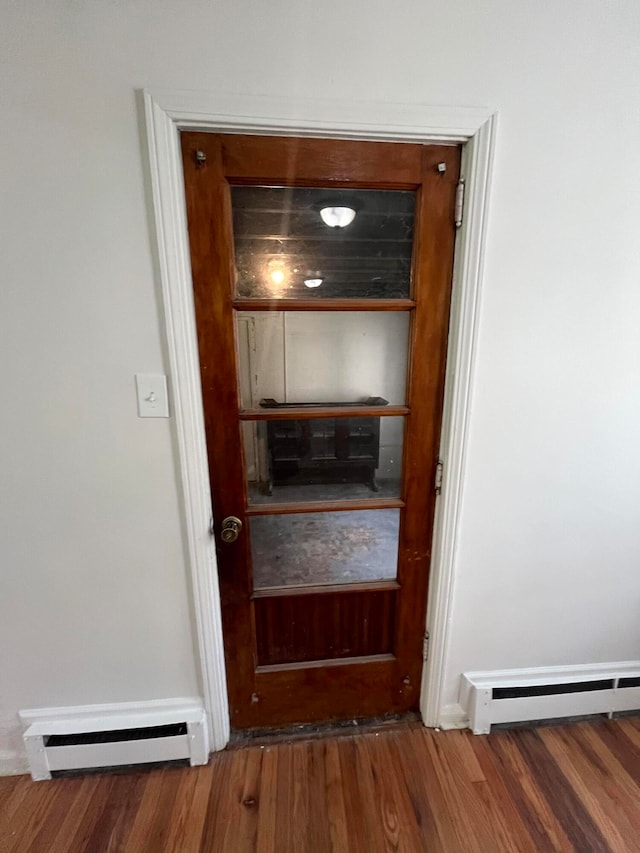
<point x="317" y="243"/>
<point x="323" y="459"/>
<point x="309" y="549"/>
<point x="322" y="357"/>
<point x="301" y="243"/>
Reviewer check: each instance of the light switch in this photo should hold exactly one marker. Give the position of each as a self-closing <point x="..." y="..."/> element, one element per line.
<point x="152" y="395"/>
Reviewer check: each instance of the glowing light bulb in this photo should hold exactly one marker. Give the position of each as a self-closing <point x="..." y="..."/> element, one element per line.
<point x="313" y="282"/>
<point x="277" y="276"/>
<point x="337" y="217"/>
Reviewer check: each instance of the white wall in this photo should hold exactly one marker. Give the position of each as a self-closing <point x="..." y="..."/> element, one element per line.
<point x="94" y="593"/>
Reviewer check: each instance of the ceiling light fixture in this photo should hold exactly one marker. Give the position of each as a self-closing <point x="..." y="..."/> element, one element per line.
<point x="337" y="217"/>
<point x="313" y="282"/>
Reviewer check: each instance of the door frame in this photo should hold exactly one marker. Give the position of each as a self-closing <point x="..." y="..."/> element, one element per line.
<point x="165" y="114"/>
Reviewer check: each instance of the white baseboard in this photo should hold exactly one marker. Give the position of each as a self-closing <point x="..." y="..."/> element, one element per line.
<point x="453" y="717"/>
<point x="484" y="708"/>
<point x="40" y="723"/>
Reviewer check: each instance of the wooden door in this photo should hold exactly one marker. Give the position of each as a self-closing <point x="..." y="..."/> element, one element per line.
<point x="328" y="459"/>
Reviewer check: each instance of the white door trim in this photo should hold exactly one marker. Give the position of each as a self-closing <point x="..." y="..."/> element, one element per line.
<point x="168" y="112"/>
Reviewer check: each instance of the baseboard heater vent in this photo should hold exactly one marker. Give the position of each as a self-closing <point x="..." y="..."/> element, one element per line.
<point x="112" y="736"/>
<point x="518" y="696"/>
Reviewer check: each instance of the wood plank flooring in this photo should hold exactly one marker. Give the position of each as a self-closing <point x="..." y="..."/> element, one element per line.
<point x="566" y="788"/>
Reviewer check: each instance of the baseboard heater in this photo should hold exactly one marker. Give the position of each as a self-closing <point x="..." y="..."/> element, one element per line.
<point x="527" y="695"/>
<point x="112" y="736"/>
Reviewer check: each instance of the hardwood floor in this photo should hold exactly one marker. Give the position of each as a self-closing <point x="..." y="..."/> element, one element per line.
<point x="568" y="788"/>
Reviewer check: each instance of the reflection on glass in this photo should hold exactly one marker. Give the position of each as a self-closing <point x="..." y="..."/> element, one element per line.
<point x="322" y="357"/>
<point x="301" y="242"/>
<point x="305" y="549"/>
<point x="323" y="459"/>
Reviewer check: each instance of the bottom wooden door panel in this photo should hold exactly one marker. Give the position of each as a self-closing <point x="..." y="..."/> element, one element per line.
<point x="297" y="628"/>
<point x="329" y="690"/>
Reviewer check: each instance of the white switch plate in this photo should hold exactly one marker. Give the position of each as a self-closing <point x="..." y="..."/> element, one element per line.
<point x="152" y="395"/>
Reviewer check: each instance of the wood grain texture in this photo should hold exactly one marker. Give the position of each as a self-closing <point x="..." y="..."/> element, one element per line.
<point x="211" y="239"/>
<point x="351" y="304"/>
<point x="287" y="161"/>
<point x="307" y="413"/>
<point x="308" y="692"/>
<point x="432" y="277"/>
<point x="321" y="627"/>
<point x="326" y="589"/>
<point x="395" y="788"/>
<point x="324" y="506"/>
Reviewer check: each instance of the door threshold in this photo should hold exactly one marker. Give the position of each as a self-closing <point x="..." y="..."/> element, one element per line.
<point x="316" y="731"/>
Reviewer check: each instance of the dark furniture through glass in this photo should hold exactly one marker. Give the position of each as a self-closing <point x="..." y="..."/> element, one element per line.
<point x="323" y="450"/>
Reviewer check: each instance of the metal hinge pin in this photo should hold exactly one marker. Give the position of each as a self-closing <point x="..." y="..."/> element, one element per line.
<point x="459" y="208"/>
<point x="439" y="476"/>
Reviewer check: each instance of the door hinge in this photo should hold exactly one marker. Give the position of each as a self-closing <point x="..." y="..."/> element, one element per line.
<point x="425" y="647"/>
<point x="439" y="476"/>
<point x="459" y="210"/>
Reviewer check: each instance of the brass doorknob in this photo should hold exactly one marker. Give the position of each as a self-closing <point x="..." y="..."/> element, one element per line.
<point x="231" y="528"/>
